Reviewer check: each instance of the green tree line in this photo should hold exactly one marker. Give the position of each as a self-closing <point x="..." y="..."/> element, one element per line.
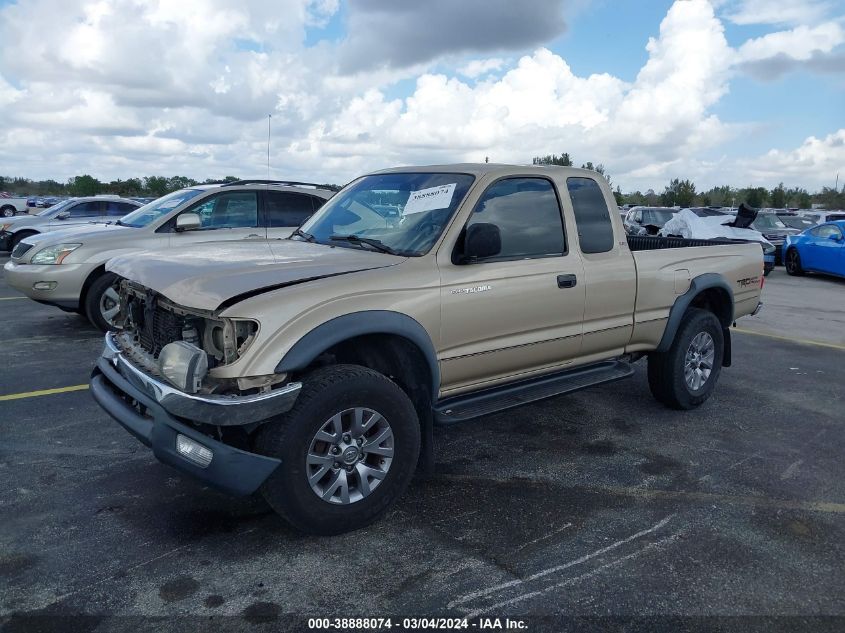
<point x="678" y="192"/>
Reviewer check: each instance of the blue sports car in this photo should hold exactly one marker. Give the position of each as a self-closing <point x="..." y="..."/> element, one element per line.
<point x="820" y="249"/>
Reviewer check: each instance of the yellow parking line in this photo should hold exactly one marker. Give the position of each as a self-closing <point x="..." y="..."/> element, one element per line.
<point x="792" y="339"/>
<point x="10" y="298"/>
<point x="42" y="392"/>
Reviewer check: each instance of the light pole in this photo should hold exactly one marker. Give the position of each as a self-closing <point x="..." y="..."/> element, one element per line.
<point x="269" y="116"/>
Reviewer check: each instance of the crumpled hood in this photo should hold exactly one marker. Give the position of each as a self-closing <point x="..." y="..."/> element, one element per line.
<point x="205" y="276"/>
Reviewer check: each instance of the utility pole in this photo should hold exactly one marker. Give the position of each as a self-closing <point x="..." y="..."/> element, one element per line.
<point x="269" y="116"/>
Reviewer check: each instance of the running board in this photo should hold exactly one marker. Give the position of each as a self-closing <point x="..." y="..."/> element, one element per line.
<point x="489" y="401"/>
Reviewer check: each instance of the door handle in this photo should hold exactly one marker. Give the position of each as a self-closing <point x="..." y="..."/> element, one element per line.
<point x="566" y="281"/>
<point x="252" y="235"/>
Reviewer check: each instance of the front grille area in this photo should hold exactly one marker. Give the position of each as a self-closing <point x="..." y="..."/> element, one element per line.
<point x="166" y="328"/>
<point x="20" y="250"/>
<point x="153" y="325"/>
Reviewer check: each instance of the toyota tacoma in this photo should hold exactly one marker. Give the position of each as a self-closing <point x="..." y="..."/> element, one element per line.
<point x="313" y="369"/>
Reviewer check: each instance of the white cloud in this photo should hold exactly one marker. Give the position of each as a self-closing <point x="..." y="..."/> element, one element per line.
<point x="478" y="67"/>
<point x="127" y="87"/>
<point x="815" y="160"/>
<point x="541" y="106"/>
<point x="799" y="43"/>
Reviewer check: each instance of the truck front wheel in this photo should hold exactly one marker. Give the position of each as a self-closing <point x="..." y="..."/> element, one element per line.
<point x="684" y="376"/>
<point x="348" y="447"/>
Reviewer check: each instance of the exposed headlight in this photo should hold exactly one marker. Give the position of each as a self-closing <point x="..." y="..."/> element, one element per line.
<point x="184" y="365"/>
<point x="53" y="254"/>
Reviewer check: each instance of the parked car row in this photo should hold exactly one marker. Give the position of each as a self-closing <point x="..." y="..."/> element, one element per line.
<point x="59" y="256"/>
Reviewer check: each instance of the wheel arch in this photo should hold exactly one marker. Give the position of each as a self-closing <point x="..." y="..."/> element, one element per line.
<point x="391" y="343"/>
<point x="709" y="292"/>
<point x="364" y="326"/>
<point x="90" y="279"/>
<point x="25" y="232"/>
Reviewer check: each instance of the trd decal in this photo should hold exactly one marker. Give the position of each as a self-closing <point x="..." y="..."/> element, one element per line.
<point x="749" y="281"/>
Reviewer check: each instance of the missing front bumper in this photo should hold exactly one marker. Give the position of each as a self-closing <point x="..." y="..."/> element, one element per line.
<point x="218" y="410"/>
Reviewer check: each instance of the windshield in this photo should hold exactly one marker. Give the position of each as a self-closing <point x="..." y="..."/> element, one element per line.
<point x="768" y="221"/>
<point x="158" y="207"/>
<point x="796" y="221"/>
<point x="55" y="209"/>
<point x="405" y="212"/>
<point x="657" y="217"/>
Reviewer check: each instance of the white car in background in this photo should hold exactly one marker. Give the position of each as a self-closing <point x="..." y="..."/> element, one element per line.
<point x="67" y="268"/>
<point x="72" y="212"/>
<point x="10" y="206"/>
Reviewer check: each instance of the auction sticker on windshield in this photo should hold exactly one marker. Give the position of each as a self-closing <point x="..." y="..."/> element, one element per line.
<point x="429" y="199"/>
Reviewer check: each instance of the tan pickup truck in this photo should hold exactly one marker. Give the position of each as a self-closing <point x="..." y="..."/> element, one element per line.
<point x="314" y="368"/>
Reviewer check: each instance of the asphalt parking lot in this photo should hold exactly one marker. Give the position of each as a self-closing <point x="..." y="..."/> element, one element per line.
<point x="602" y="503"/>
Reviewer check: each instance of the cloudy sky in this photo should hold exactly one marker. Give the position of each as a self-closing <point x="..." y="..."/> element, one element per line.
<point x="741" y="92"/>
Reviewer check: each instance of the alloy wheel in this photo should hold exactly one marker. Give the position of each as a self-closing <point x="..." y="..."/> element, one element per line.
<point x="109" y="304"/>
<point x="698" y="361"/>
<point x="349" y="456"/>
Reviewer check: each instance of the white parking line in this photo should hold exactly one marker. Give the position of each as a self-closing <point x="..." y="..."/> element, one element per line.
<point x="551" y="570"/>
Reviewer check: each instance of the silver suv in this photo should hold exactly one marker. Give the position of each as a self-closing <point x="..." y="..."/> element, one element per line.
<point x="67" y="213"/>
<point x="67" y="268"/>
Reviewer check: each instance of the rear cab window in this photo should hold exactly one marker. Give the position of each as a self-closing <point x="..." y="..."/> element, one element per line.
<point x="592" y="216"/>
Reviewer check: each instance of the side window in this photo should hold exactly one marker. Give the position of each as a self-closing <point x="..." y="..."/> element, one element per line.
<point x="235" y="209"/>
<point x="825" y="231"/>
<point x="287" y="209"/>
<point x="595" y="229"/>
<point x="527" y="212"/>
<point x="90" y="209"/>
<point x="119" y="209"/>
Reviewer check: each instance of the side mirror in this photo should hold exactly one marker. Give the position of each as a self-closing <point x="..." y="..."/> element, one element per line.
<point x="188" y="222"/>
<point x="482" y="240"/>
<point x="63" y="215"/>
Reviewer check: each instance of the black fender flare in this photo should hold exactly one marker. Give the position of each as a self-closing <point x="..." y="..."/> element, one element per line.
<point x="676" y="313"/>
<point x="348" y="326"/>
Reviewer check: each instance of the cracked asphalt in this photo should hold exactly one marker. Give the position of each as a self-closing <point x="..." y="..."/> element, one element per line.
<point x="602" y="503"/>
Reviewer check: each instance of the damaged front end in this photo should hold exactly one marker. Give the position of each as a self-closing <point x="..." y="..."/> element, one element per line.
<point x="169" y="352"/>
<point x="184" y="345"/>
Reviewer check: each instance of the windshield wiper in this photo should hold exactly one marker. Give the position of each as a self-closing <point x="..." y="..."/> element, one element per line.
<point x="355" y="239"/>
<point x="306" y="236"/>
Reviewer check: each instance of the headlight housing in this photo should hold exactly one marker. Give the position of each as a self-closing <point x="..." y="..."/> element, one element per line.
<point x="184" y="365"/>
<point x="3" y="227"/>
<point x="53" y="254"/>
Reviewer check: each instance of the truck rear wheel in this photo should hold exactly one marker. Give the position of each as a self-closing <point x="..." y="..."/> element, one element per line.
<point x="348" y="447"/>
<point x="684" y="376"/>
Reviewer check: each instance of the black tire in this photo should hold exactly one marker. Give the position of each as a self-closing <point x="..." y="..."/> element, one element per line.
<point x="325" y="393"/>
<point x="8" y="211"/>
<point x="793" y="263"/>
<point x="17" y="237"/>
<point x="93" y="297"/>
<point x="666" y="370"/>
